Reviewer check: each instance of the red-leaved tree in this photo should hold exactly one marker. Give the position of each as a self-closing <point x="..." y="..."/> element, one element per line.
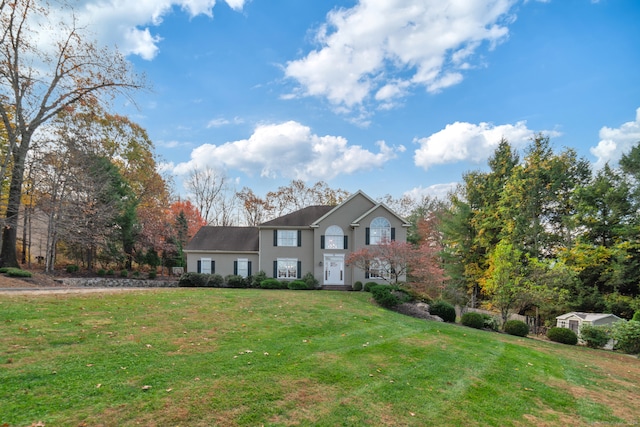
<point x="392" y="258"/>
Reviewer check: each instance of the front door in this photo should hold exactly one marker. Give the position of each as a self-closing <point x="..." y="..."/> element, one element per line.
<point x="334" y="269"/>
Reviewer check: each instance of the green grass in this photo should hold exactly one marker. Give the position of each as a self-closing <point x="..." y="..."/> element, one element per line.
<point x="252" y="357"/>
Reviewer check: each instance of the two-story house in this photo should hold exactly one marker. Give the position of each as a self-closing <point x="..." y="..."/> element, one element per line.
<point x="315" y="239"/>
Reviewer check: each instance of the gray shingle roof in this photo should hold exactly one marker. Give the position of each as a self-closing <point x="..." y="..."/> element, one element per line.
<point x="301" y="218"/>
<point x="228" y="239"/>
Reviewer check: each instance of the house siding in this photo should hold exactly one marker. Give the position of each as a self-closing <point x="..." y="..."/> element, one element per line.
<point x="224" y="261"/>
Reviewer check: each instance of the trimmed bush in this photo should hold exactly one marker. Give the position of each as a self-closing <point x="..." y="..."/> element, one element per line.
<point x="16" y="272"/>
<point x="636" y="316"/>
<point x="236" y="281"/>
<point x="110" y="272"/>
<point x="627" y="335"/>
<point x="311" y="281"/>
<point x="124" y="273"/>
<point x="136" y="274"/>
<point x="72" y="268"/>
<point x="199" y="280"/>
<point x="472" y="320"/>
<point x="384" y="296"/>
<point x="367" y="286"/>
<point x="152" y="274"/>
<point x="298" y="285"/>
<point x="101" y="272"/>
<point x="562" y="335"/>
<point x="357" y="286"/>
<point x="594" y="336"/>
<point x="444" y="310"/>
<point x="273" y="284"/>
<point x="257" y="278"/>
<point x="517" y="328"/>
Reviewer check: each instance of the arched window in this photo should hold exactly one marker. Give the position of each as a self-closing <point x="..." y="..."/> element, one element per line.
<point x="380" y="231"/>
<point x="334" y="238"/>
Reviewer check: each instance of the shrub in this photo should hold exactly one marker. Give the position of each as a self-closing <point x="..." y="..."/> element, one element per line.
<point x="490" y="322"/>
<point x="627" y="336"/>
<point x="311" y="281"/>
<point x="124" y="273"/>
<point x="110" y="272"/>
<point x="636" y="316"/>
<point x="199" y="280"/>
<point x="16" y="272"/>
<point x="152" y="274"/>
<point x="272" y="284"/>
<point x="257" y="278"/>
<point x="136" y="274"/>
<point x="562" y="335"/>
<point x="236" y="281"/>
<point x="384" y="296"/>
<point x="369" y="285"/>
<point x="101" y="272"/>
<point x="357" y="286"/>
<point x="516" y="327"/>
<point x="472" y="320"/>
<point x="72" y="268"/>
<point x="444" y="310"/>
<point x="298" y="285"/>
<point x="594" y="336"/>
<point x="3" y="270"/>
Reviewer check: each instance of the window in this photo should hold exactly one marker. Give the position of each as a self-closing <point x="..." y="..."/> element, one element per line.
<point x="286" y="237"/>
<point x="378" y="270"/>
<point x="206" y="266"/>
<point x="334" y="238"/>
<point x="242" y="267"/>
<point x="380" y="231"/>
<point x="286" y="268"/>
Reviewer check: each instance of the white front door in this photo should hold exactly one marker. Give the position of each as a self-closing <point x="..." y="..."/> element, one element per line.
<point x="334" y="269"/>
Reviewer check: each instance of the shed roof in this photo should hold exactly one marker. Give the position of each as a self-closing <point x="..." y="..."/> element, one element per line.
<point x="228" y="239"/>
<point x="589" y="317"/>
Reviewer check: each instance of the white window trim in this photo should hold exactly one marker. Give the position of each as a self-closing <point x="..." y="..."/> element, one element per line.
<point x="287" y="273"/>
<point x="287" y="238"/>
<point x="334" y="240"/>
<point x="377" y="234"/>
<point x="245" y="271"/>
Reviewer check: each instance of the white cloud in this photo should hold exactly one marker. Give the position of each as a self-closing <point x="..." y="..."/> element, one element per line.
<point x="438" y="191"/>
<point x="127" y="23"/>
<point x="290" y="150"/>
<point x="382" y="47"/>
<point x="463" y="141"/>
<point x="614" y="142"/>
<point x="219" y="122"/>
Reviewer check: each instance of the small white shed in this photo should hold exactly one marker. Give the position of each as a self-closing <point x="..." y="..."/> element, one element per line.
<point x="575" y="320"/>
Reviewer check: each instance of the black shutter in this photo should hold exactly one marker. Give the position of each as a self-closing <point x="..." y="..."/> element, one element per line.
<point x="346" y="241"/>
<point x="275" y="237"/>
<point x="248" y="268"/>
<point x="235" y="268"/>
<point x="199" y="269"/>
<point x="275" y="269"/>
<point x="213" y="266"/>
<point x="299" y="272"/>
<point x="393" y="233"/>
<point x="299" y="237"/>
<point x="322" y="242"/>
<point x="366" y="237"/>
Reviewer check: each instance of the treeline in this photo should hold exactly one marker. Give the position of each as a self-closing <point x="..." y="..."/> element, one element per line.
<point x="545" y="234"/>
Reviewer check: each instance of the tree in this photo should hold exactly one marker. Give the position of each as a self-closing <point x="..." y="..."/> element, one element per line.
<point x="40" y="80"/>
<point x="206" y="186"/>
<point x="393" y="258"/>
<point x="192" y="219"/>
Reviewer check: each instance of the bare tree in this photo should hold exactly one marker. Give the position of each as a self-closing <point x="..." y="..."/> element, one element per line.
<point x="37" y="82"/>
<point x="206" y="186"/>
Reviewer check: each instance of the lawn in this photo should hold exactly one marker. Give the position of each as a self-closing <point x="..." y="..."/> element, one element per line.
<point x="202" y="357"/>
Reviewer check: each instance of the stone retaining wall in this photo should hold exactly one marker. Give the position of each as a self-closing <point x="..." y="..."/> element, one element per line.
<point x="102" y="282"/>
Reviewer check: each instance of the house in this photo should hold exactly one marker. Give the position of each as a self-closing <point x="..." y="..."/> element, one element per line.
<point x="316" y="239"/>
<point x="575" y="320"/>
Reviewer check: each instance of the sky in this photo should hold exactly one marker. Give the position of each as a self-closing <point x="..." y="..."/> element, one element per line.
<point x="384" y="96"/>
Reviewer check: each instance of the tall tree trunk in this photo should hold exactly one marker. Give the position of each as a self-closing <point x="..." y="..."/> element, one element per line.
<point x="8" y="251"/>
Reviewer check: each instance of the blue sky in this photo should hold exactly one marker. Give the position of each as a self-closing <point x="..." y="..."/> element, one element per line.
<point x="387" y="96"/>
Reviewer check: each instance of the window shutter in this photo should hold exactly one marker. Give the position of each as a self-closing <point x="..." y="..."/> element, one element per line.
<point x="346" y="241"/>
<point x="199" y="269"/>
<point x="275" y="237"/>
<point x="213" y="266"/>
<point x="321" y="242"/>
<point x="299" y="272"/>
<point x="249" y="268"/>
<point x="275" y="269"/>
<point x="393" y="233"/>
<point x="299" y="238"/>
<point x="366" y="237"/>
<point x="235" y="268"/>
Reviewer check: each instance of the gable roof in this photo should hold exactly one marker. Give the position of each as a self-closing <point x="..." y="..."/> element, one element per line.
<point x="589" y="317"/>
<point x="300" y="218"/>
<point x="227" y="239"/>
